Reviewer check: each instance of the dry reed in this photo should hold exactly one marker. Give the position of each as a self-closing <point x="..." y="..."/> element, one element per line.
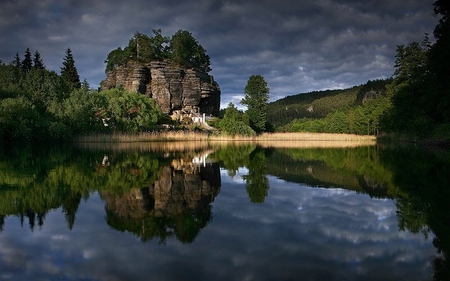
<point x="188" y="141"/>
<point x="199" y="136"/>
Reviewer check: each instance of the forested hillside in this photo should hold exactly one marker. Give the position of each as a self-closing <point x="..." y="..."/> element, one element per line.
<point x="355" y="110"/>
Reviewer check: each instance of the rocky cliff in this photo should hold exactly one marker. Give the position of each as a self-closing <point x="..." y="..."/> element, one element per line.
<point x="177" y="90"/>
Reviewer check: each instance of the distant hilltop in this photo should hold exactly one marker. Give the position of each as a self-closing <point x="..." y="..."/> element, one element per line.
<point x="174" y="72"/>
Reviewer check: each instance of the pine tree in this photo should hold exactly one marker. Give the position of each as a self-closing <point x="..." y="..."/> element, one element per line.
<point x="27" y="62"/>
<point x="256" y="99"/>
<point x="37" y="62"/>
<point x="69" y="72"/>
<point x="16" y="61"/>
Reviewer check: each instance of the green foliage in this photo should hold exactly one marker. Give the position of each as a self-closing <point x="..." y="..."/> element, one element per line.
<point x="364" y="119"/>
<point x="76" y="115"/>
<point x="19" y="120"/>
<point x="408" y="90"/>
<point x="377" y="87"/>
<point x="151" y="48"/>
<point x="11" y="78"/>
<point x="186" y="51"/>
<point x="256" y="98"/>
<point x="118" y="57"/>
<point x="233" y="123"/>
<point x="309" y="105"/>
<point x="181" y="49"/>
<point x="55" y="112"/>
<point x="42" y="87"/>
<point x="358" y="110"/>
<point x="130" y="112"/>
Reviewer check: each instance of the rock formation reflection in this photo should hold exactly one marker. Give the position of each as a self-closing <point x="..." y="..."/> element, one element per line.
<point x="177" y="204"/>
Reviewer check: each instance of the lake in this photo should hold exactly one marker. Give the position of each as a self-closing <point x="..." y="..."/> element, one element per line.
<point x="217" y="211"/>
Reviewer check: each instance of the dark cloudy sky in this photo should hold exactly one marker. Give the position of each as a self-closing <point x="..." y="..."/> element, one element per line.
<point x="298" y="46"/>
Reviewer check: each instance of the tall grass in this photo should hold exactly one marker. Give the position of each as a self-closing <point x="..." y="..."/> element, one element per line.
<point x="189" y="136"/>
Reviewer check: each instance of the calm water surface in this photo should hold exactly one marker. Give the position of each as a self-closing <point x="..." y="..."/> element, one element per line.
<point x="206" y="212"/>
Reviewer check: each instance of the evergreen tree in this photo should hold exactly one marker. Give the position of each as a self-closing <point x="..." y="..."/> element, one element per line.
<point x="256" y="98"/>
<point x="16" y="61"/>
<point x="27" y="62"/>
<point x="37" y="61"/>
<point x="69" y="72"/>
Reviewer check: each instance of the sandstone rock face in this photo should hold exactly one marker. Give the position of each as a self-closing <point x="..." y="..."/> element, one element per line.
<point x="175" y="89"/>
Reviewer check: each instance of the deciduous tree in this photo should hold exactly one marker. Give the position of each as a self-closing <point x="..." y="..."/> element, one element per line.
<point x="233" y="123"/>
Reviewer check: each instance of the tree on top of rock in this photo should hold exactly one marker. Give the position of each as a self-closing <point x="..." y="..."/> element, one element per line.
<point x="182" y="49"/>
<point x="186" y="51"/>
<point x="69" y="72"/>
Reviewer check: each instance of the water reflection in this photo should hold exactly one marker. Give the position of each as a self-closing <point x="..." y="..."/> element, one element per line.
<point x="177" y="204"/>
<point x="166" y="191"/>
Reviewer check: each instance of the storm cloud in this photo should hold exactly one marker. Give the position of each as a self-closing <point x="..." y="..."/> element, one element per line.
<point x="298" y="46"/>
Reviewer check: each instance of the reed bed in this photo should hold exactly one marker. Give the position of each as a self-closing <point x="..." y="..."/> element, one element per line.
<point x="200" y="136"/>
<point x="194" y="141"/>
<point x="313" y="137"/>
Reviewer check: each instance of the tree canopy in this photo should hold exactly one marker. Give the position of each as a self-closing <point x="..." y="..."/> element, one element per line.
<point x="181" y="49"/>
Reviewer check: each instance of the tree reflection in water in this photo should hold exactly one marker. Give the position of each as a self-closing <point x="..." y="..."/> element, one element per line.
<point x="177" y="204"/>
<point x="158" y="192"/>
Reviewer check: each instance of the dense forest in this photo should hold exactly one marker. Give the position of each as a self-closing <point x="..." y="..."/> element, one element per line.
<point x="357" y="110"/>
<point x="37" y="104"/>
